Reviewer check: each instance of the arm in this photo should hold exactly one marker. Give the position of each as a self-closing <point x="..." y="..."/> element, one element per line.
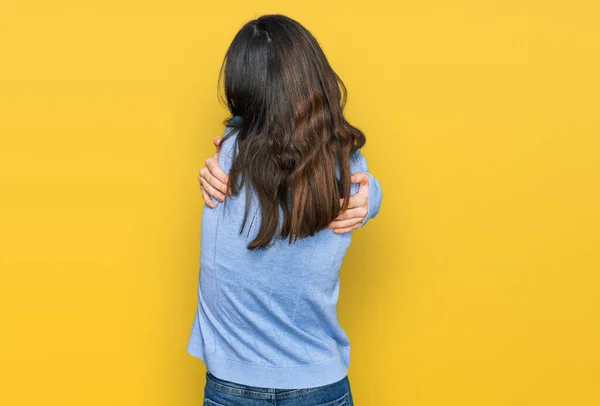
<point x="225" y="160"/>
<point x="364" y="204"/>
<point x="365" y="197"/>
<point x="375" y="194"/>
<point x="214" y="176"/>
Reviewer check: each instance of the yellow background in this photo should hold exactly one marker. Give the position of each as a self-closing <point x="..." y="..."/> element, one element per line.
<point x="478" y="282"/>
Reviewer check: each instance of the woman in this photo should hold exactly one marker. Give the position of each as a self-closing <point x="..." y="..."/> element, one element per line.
<point x="266" y="324"/>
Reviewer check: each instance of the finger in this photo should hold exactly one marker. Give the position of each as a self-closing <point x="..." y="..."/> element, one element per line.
<point x="212" y="191"/>
<point x="360" y="177"/>
<point x="206" y="197"/>
<point x="345" y="223"/>
<point x="357" y="200"/>
<point x="213" y="181"/>
<point x="215" y="170"/>
<point x="344" y="230"/>
<point x="217" y="142"/>
<point x="358" y="212"/>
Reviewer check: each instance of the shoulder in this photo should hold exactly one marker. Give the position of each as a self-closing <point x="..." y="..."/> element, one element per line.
<point x="358" y="162"/>
<point x="228" y="148"/>
<point x="230" y="138"/>
<point x="231" y="131"/>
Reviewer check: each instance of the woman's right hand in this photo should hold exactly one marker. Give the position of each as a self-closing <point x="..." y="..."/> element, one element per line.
<point x="212" y="179"/>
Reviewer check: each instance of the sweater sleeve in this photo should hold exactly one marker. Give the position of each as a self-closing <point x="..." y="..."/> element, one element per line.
<point x="358" y="163"/>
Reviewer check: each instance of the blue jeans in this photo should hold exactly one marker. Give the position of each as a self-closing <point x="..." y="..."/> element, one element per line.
<point x="219" y="392"/>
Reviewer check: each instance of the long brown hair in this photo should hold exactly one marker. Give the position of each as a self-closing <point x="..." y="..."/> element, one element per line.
<point x="292" y="135"/>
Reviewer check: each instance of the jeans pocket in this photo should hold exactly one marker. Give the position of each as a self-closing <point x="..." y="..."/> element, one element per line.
<point x="341" y="401"/>
<point x="208" y="402"/>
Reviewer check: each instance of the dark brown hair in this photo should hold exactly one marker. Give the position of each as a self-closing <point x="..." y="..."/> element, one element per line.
<point x="291" y="129"/>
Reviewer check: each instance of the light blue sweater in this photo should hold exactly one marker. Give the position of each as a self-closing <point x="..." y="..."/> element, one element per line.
<point x="268" y="318"/>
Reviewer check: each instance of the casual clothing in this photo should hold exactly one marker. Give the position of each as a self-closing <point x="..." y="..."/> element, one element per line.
<point x="268" y="318"/>
<point x="219" y="392"/>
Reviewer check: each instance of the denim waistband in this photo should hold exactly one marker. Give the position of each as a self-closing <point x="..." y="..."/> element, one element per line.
<point x="259" y="392"/>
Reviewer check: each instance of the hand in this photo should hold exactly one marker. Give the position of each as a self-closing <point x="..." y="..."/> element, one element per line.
<point x="358" y="206"/>
<point x="213" y="180"/>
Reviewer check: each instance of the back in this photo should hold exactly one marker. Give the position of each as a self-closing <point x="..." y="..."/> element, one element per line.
<point x="268" y="318"/>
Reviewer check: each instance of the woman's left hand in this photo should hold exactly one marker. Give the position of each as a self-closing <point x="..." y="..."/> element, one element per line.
<point x="358" y="207"/>
<point x="213" y="180"/>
